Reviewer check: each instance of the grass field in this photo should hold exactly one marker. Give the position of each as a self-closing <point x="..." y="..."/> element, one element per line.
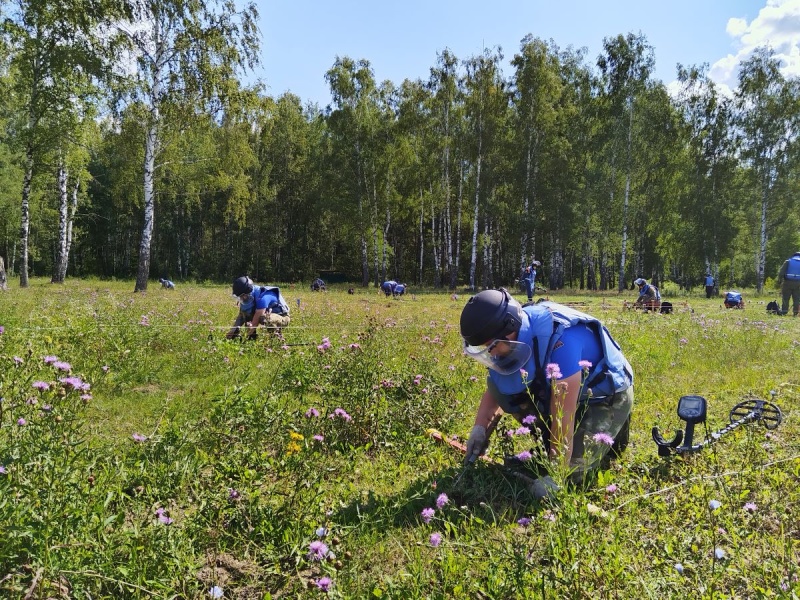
<point x="143" y="455"/>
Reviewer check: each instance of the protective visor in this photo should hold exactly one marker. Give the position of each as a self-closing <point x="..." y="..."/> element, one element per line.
<point x="503" y="356"/>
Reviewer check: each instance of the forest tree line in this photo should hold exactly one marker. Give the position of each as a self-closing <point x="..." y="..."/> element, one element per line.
<point x="133" y="148"/>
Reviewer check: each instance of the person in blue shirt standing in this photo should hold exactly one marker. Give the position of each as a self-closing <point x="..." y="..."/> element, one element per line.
<point x="789" y="276"/>
<point x="258" y="305"/>
<point x="528" y="278"/>
<point x="552" y="366"/>
<point x="388" y="287"/>
<point x="709" y="283"/>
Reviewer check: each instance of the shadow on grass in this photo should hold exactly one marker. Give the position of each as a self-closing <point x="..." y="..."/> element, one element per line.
<point x="480" y="491"/>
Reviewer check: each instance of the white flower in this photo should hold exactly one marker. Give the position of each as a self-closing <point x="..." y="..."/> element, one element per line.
<point x="719" y="553"/>
<point x="714" y="504"/>
<point x="216" y="592"/>
<point x="322" y="532"/>
<point x="679" y="568"/>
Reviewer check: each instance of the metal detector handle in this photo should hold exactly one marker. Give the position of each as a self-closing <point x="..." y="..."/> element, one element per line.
<point x="664" y="447"/>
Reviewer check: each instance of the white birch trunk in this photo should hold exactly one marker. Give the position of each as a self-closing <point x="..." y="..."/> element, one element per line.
<point x="762" y="247"/>
<point x="435" y="227"/>
<point x="421" y="237"/>
<point x="73" y="210"/>
<point x="150" y="152"/>
<point x="385" y="237"/>
<point x="63" y="202"/>
<point x="487" y="258"/>
<point x="454" y="276"/>
<point x="3" y="279"/>
<point x="523" y="250"/>
<point x="374" y="219"/>
<point x="448" y="224"/>
<point x="626" y="199"/>
<point x="474" y="255"/>
<point x="25" y="221"/>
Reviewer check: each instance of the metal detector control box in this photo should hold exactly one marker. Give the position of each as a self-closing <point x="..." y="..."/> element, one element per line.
<point x="692" y="409"/>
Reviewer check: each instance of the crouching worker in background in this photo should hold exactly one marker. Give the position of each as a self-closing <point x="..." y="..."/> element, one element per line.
<point x="733" y="299"/>
<point x="258" y="305"/>
<point x="649" y="296"/>
<point x="388" y="287"/>
<point x="553" y="367"/>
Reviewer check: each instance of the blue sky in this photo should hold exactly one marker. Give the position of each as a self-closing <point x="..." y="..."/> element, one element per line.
<point x="300" y="40"/>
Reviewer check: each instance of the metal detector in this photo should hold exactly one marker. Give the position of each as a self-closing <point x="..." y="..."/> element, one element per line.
<point x="693" y="409"/>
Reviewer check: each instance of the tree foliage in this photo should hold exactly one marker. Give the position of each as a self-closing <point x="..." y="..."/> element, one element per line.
<point x="592" y="168"/>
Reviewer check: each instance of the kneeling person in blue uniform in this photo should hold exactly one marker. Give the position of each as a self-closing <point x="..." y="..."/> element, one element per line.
<point x="733" y="299"/>
<point x="258" y="305"/>
<point x="524" y="348"/>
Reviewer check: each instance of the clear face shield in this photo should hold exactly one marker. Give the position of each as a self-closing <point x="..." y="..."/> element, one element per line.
<point x="504" y="356"/>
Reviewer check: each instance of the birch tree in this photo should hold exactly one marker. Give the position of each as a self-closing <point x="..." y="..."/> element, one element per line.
<point x="185" y="56"/>
<point x="52" y="47"/>
<point x="353" y="123"/>
<point x="703" y="224"/>
<point x="625" y="67"/>
<point x="769" y="127"/>
<point x="447" y="112"/>
<point x="537" y="94"/>
<point x="486" y="99"/>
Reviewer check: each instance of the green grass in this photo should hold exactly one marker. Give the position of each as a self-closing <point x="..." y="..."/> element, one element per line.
<point x="230" y="455"/>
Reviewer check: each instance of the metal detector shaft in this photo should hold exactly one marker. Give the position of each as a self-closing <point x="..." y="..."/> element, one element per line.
<point x="753" y="415"/>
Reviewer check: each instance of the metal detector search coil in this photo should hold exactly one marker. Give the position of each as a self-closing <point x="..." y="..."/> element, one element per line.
<point x="693" y="410"/>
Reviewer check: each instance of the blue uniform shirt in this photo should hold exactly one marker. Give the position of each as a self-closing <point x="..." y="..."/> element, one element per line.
<point x="266" y="298"/>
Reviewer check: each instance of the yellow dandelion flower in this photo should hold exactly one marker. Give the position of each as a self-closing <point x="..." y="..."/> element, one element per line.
<point x="295" y="436"/>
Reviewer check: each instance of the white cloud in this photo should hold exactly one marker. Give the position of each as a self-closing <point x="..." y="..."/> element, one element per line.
<point x="736" y="27"/>
<point x="777" y="25"/>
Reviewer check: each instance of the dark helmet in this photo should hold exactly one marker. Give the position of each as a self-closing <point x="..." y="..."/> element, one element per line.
<point x="489" y="315"/>
<point x="640" y="282"/>
<point x="242" y="285"/>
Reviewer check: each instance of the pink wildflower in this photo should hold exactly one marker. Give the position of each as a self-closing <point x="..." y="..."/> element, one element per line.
<point x="603" y="438"/>
<point x="553" y="371"/>
<point x="317" y="550"/>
